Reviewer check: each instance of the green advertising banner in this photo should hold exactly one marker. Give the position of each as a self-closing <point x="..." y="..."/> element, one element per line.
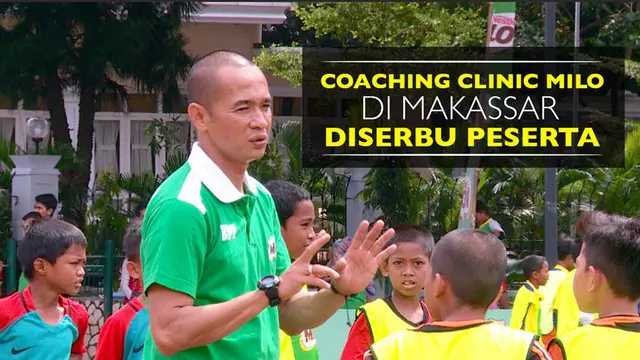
<point x="332" y="335"/>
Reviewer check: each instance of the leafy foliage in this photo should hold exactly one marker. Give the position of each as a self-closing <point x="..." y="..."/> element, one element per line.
<point x="282" y="62"/>
<point x="91" y="48"/>
<point x="397" y="24"/>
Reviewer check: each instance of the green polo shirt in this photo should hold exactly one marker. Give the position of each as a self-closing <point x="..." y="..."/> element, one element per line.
<point x="202" y="237"/>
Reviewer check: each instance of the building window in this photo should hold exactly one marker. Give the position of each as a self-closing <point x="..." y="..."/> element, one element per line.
<point x="106" y="146"/>
<point x="180" y="137"/>
<point x="140" y="150"/>
<point x="145" y="103"/>
<point x="316" y="107"/>
<point x="174" y="104"/>
<point x="38" y="103"/>
<point x="351" y="107"/>
<point x="287" y="106"/>
<point x="7" y="127"/>
<point x="8" y="103"/>
<point x="109" y="103"/>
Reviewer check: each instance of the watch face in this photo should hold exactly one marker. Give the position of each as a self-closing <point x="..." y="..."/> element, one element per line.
<point x="269" y="281"/>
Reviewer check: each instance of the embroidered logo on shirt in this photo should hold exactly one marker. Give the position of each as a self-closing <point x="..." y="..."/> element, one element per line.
<point x="228" y="232"/>
<point x="15" y="351"/>
<point x="272" y="248"/>
<point x="307" y="340"/>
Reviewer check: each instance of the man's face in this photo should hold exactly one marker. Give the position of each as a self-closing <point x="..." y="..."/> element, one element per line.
<point x="238" y="122"/>
<point x="42" y="210"/>
<point x="481" y="217"/>
<point x="298" y="230"/>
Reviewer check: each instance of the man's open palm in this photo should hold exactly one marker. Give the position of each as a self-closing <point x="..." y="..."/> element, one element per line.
<point x="359" y="265"/>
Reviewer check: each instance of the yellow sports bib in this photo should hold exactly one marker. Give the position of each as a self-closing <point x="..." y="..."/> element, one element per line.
<point x="382" y="319"/>
<point x="298" y="347"/>
<point x="481" y="341"/>
<point x="621" y="341"/>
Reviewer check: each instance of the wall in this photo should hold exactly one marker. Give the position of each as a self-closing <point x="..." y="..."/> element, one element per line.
<point x="95" y="308"/>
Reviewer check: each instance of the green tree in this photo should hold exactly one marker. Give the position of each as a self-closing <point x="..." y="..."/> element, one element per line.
<point x="91" y="48"/>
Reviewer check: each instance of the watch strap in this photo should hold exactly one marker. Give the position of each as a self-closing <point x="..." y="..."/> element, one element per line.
<point x="272" y="295"/>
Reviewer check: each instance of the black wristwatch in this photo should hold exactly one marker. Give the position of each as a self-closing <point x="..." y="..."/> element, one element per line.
<point x="269" y="284"/>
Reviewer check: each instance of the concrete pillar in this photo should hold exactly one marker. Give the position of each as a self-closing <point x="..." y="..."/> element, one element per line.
<point x="356" y="209"/>
<point x="33" y="175"/>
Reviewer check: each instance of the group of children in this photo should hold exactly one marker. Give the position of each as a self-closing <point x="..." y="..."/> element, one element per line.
<point x="462" y="275"/>
<point x="41" y="322"/>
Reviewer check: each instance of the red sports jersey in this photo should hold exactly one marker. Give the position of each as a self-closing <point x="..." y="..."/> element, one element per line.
<point x="111" y="342"/>
<point x="360" y="338"/>
<point x="19" y="323"/>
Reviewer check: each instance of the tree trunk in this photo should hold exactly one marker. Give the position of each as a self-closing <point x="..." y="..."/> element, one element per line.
<point x="86" y="116"/>
<point x="55" y="104"/>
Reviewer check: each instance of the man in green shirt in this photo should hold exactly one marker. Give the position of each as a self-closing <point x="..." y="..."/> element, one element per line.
<point x="217" y="274"/>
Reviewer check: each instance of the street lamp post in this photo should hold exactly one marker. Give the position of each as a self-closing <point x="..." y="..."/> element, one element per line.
<point x="37" y="130"/>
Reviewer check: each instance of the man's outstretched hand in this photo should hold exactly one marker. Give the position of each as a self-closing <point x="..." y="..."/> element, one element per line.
<point x="359" y="265"/>
<point x="297" y="275"/>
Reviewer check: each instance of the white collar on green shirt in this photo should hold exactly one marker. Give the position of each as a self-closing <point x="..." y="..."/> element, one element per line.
<point x="215" y="180"/>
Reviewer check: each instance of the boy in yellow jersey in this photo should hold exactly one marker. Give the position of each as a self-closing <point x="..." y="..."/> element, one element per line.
<point x="406" y="269"/>
<point x="607" y="282"/>
<point x="568" y="251"/>
<point x="296" y="214"/>
<point x="526" y="313"/>
<point x="566" y="313"/>
<point x="467" y="271"/>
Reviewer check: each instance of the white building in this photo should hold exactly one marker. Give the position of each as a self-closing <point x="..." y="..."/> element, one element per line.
<point x="120" y="142"/>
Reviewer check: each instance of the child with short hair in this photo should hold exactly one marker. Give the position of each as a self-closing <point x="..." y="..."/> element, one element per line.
<point x="466" y="272"/>
<point x="407" y="269"/>
<point x="566" y="313"/>
<point x="296" y="214"/>
<point x="568" y="252"/>
<point x="526" y="314"/>
<point x="39" y="323"/>
<point x="607" y="282"/>
<point x="124" y="333"/>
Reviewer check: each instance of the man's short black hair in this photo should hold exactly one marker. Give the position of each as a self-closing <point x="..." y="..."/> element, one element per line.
<point x="413" y="234"/>
<point x="47" y="240"/>
<point x="567" y="246"/>
<point x="481" y="207"/>
<point x="132" y="240"/>
<point x="474" y="263"/>
<point x="531" y="264"/>
<point x="138" y="210"/>
<point x="286" y="196"/>
<point x="48" y="200"/>
<point x="32" y="215"/>
<point x="614" y="249"/>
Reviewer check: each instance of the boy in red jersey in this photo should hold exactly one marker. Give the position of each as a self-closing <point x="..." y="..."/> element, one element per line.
<point x="38" y="322"/>
<point x="407" y="269"/>
<point x="124" y="333"/>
